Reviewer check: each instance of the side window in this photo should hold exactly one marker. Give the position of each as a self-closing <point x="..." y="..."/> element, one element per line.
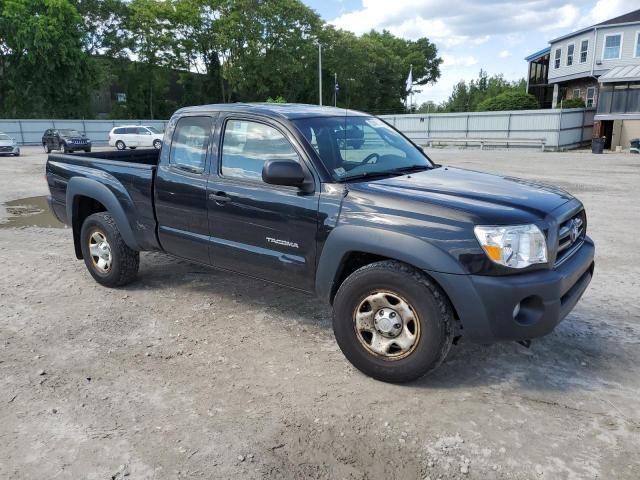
<point x="143" y="131"/>
<point x="190" y="143"/>
<point x="247" y="145"/>
<point x="129" y="131"/>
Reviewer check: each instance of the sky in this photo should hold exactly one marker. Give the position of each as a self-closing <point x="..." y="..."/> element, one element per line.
<point x="494" y="35"/>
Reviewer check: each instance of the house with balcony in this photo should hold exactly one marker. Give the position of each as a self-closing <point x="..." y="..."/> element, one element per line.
<point x="599" y="64"/>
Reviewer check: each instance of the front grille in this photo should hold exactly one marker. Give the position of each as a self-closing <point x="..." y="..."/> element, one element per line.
<point x="6" y="149"/>
<point x="571" y="236"/>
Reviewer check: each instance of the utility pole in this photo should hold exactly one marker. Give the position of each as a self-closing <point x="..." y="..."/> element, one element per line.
<point x="319" y="74"/>
<point x="335" y="89"/>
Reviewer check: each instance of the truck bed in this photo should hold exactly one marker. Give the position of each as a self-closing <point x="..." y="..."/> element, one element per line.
<point x="126" y="177"/>
<point x="143" y="156"/>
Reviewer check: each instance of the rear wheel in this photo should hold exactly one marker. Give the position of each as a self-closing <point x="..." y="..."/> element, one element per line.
<point x="107" y="257"/>
<point x="157" y="144"/>
<point x="46" y="147"/>
<point x="120" y="145"/>
<point x="132" y="148"/>
<point x="392" y="322"/>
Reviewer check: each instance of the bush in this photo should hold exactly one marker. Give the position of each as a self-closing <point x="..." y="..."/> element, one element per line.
<point x="509" y="101"/>
<point x="278" y="99"/>
<point x="573" y="103"/>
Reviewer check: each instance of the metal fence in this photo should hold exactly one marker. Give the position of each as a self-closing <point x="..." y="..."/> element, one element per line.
<point x="559" y="129"/>
<point x="29" y="132"/>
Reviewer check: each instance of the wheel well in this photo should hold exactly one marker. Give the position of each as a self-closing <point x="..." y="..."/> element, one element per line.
<point x="350" y="263"/>
<point x="355" y="260"/>
<point x="82" y="208"/>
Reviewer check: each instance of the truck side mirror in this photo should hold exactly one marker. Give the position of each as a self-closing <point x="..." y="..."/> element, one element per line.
<point x="283" y="171"/>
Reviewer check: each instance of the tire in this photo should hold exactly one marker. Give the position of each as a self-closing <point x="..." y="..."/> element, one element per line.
<point x="120" y="145"/>
<point x="123" y="262"/>
<point x="64" y="149"/>
<point x="157" y="144"/>
<point x="47" y="148"/>
<point x="132" y="148"/>
<point x="428" y="320"/>
<point x="87" y="150"/>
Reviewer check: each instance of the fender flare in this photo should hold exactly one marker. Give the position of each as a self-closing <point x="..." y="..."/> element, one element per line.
<point x="344" y="240"/>
<point x="87" y="187"/>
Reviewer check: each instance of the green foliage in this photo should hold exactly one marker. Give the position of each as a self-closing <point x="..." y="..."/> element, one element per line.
<point x="45" y="70"/>
<point x="470" y="97"/>
<point x="163" y="54"/>
<point x="278" y="99"/>
<point x="510" y="100"/>
<point x="573" y="103"/>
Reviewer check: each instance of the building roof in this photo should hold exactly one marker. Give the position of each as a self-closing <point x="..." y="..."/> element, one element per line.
<point x="627" y="73"/>
<point x="538" y="54"/>
<point x="631" y="17"/>
<point x="282" y="110"/>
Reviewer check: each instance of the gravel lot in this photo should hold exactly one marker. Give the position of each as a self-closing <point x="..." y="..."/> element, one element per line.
<point x="193" y="373"/>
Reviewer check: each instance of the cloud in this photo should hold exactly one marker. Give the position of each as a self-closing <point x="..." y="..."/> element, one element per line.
<point x="504" y="54"/>
<point x="458" y="61"/>
<point x="466" y="21"/>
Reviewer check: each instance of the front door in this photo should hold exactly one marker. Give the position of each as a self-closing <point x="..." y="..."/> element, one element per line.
<point x="261" y="230"/>
<point x="181" y="190"/>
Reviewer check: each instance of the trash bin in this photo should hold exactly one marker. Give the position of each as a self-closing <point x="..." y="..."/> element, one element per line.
<point x="597" y="145"/>
<point x="635" y="145"/>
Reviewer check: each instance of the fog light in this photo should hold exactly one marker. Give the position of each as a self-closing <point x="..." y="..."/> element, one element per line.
<point x="516" y="310"/>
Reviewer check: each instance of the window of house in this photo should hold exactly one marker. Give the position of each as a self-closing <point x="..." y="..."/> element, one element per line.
<point x="191" y="143"/>
<point x="637" y="49"/>
<point x="591" y="97"/>
<point x="570" y="49"/>
<point x="584" y="50"/>
<point x="612" y="46"/>
<point x="576" y="93"/>
<point x="248" y="145"/>
<point x="556" y="58"/>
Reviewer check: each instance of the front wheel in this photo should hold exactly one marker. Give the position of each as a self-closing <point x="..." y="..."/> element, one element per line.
<point x="107" y="257"/>
<point x="392" y="322"/>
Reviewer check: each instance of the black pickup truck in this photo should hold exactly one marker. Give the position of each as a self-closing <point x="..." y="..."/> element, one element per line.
<point x="411" y="254"/>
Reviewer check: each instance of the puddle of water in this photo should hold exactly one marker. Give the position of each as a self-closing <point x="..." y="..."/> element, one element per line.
<point x="30" y="212"/>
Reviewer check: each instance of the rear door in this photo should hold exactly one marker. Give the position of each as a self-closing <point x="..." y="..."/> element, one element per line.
<point x="181" y="189"/>
<point x="261" y="230"/>
<point x="144" y="137"/>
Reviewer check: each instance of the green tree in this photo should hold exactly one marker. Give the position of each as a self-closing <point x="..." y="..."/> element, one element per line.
<point x="45" y="70"/>
<point x="510" y="100"/>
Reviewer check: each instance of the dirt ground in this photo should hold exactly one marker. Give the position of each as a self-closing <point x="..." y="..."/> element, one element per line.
<point x="193" y="373"/>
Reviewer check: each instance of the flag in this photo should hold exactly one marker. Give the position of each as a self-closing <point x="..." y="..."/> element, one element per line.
<point x="410" y="79"/>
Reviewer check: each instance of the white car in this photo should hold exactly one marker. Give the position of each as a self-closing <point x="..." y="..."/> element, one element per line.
<point x="8" y="145"/>
<point x="133" y="136"/>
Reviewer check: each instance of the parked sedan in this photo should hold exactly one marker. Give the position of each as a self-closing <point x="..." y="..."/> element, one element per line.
<point x="66" y="139"/>
<point x="134" y="136"/>
<point x="8" y="145"/>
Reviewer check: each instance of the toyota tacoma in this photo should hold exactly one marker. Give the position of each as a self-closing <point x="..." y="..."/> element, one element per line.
<point x="412" y="255"/>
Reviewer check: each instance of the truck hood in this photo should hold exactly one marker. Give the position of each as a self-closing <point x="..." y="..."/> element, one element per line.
<point x="493" y="197"/>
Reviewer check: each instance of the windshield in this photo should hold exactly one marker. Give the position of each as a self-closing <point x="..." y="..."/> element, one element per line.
<point x="4" y="137"/>
<point x="68" y="132"/>
<point x="357" y="147"/>
<point x="153" y="129"/>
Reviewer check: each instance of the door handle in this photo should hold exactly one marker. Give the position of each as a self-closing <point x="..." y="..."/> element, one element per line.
<point x="219" y="197"/>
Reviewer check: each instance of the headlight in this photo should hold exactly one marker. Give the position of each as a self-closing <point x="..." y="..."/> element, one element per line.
<point x="515" y="246"/>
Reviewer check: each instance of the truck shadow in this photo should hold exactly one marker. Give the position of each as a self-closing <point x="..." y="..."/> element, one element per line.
<point x="577" y="356"/>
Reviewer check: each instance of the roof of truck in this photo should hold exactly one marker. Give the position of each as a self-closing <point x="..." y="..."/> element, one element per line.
<point x="283" y="110"/>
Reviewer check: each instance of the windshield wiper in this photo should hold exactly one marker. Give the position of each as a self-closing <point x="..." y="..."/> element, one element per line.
<point x="411" y="168"/>
<point x="386" y="173"/>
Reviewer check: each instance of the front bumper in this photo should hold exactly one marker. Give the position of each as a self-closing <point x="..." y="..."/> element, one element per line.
<point x="10" y="150"/>
<point x="485" y="304"/>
